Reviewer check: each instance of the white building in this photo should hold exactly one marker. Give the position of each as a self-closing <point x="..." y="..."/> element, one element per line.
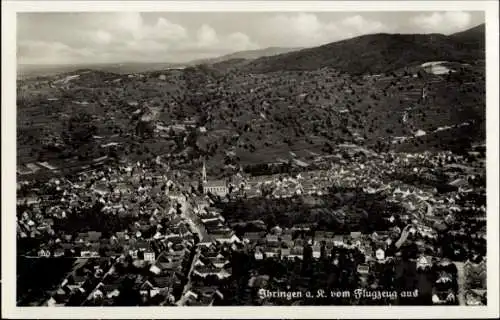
<point x="216" y="187"/>
<point x="149" y="256"/>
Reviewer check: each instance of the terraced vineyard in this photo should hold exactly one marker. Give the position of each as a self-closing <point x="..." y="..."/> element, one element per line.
<point x="215" y="111"/>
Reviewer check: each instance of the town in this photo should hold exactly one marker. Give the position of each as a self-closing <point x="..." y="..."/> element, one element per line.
<point x="256" y="181"/>
<point x="158" y="238"/>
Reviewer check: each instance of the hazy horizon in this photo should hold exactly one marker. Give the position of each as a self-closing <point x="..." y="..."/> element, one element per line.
<point x="154" y="62"/>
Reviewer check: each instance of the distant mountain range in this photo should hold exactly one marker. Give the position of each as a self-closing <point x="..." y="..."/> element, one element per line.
<point x="32" y="70"/>
<point x="27" y="70"/>
<point x="376" y="53"/>
<point x="474" y="36"/>
<point x="373" y="53"/>
<point x="246" y="55"/>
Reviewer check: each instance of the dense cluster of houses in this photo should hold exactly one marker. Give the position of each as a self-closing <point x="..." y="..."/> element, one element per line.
<point x="173" y="263"/>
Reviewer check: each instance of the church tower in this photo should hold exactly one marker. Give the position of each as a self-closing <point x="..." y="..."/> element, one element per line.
<point x="424" y="93"/>
<point x="204" y="173"/>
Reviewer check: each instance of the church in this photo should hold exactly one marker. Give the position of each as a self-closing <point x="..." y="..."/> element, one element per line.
<point x="215" y="187"/>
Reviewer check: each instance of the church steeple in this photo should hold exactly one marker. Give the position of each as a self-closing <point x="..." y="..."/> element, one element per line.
<point x="424" y="93"/>
<point x="204" y="173"/>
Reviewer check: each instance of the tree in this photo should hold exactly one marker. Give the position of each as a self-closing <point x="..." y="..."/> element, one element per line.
<point x="80" y="129"/>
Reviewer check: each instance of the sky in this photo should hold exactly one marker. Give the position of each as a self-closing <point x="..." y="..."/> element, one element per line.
<point x="115" y="37"/>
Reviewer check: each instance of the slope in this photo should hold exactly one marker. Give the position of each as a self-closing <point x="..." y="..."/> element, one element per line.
<point x="376" y="53"/>
<point x="472" y="37"/>
<point x="246" y="55"/>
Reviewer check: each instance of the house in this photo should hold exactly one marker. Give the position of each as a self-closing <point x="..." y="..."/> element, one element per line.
<point x="23" y="170"/>
<point x="308" y="187"/>
<point x="271" y="252"/>
<point x="444" y="277"/>
<point x="176" y="196"/>
<point x="285" y="253"/>
<point x="134" y="253"/>
<point x="53" y="302"/>
<point x="74" y="282"/>
<point x="213" y="221"/>
<point x="436" y="299"/>
<point x="44" y="253"/>
<point x="355" y="235"/>
<point x="172" y="238"/>
<point x="201" y="296"/>
<point x="149" y="256"/>
<point x="424" y="263"/>
<point x="253" y="193"/>
<point x="259" y="255"/>
<point x="147" y="289"/>
<point x="88" y="237"/>
<point x="142" y="245"/>
<point x="299" y="242"/>
<point x="198" y="262"/>
<point x="296" y="252"/>
<point x="282" y="193"/>
<point x="219" y="261"/>
<point x="328" y="237"/>
<point x="338" y="241"/>
<point x="33" y="167"/>
<point x="363" y="269"/>
<point x="155" y="269"/>
<point x="210" y="251"/>
<point x="91" y="250"/>
<point x="208" y="296"/>
<point x="59" y="252"/>
<point x="473" y="299"/>
<point x="212" y="224"/>
<point x="207" y="214"/>
<point x="254" y="236"/>
<point x="443" y="297"/>
<point x="224" y="236"/>
<point x="62" y="295"/>
<point x="475" y="274"/>
<point x="189" y="298"/>
<point x="108" y="290"/>
<point x="271" y="238"/>
<point x="205" y="271"/>
<point x="461" y="183"/>
<point x="165" y="261"/>
<point x="380" y="254"/>
<point x="329" y="247"/>
<point x="316" y="248"/>
<point x="286" y="236"/>
<point x="167" y="283"/>
<point x="201" y="204"/>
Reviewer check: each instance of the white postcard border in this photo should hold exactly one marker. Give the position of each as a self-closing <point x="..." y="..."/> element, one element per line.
<point x="9" y="309"/>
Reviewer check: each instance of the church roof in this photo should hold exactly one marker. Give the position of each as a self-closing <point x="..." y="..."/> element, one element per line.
<point x="215" y="183"/>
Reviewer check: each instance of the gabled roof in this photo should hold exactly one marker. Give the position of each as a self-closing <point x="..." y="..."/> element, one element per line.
<point x="222" y="233"/>
<point x="254" y="235"/>
<point x="163" y="257"/>
<point x="146" y="285"/>
<point x="271" y="237"/>
<point x="163" y="281"/>
<point x="215" y="183"/>
<point x="94" y="235"/>
<point x="363" y="269"/>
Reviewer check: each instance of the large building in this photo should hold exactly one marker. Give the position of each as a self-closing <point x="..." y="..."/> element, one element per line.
<point x="216" y="187"/>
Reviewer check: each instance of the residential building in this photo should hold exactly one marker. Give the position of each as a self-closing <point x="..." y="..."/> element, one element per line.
<point x="149" y="256"/>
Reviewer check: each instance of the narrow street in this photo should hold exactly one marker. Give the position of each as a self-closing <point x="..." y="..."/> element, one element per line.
<point x="461" y="282"/>
<point x="187" y="213"/>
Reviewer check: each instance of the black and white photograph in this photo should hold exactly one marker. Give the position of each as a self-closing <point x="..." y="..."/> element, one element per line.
<point x="251" y="158"/>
